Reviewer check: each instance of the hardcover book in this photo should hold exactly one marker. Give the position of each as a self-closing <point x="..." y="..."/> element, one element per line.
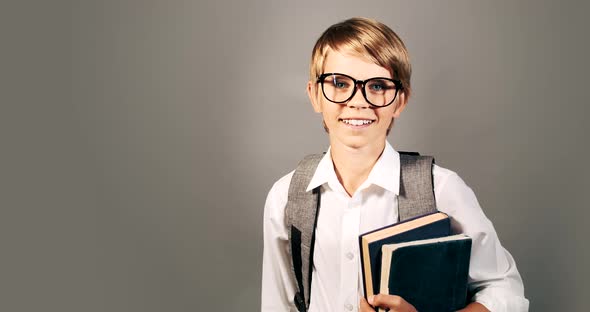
<point x="432" y="225"/>
<point x="430" y="274"/>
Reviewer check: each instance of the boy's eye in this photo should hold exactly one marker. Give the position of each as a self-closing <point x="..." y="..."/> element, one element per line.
<point x="340" y="84"/>
<point x="380" y="85"/>
<point x="377" y="87"/>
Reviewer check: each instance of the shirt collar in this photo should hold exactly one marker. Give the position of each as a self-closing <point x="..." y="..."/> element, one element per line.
<point x="325" y="173"/>
<point x="385" y="172"/>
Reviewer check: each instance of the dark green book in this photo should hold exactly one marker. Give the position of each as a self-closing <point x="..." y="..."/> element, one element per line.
<point x="431" y="274"/>
<point x="431" y="225"/>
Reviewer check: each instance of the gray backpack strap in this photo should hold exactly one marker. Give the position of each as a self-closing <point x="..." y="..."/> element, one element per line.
<point x="416" y="190"/>
<point x="301" y="218"/>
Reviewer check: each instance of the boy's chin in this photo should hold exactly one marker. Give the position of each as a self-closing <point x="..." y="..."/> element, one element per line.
<point x="355" y="142"/>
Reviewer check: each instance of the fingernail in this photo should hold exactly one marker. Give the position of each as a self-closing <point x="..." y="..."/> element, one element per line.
<point x="371" y="299"/>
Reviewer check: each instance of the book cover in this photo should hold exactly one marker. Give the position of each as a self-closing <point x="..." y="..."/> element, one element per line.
<point x="430" y="274"/>
<point x="432" y="225"/>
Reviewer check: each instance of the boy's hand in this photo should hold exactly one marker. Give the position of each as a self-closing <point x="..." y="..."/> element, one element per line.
<point x="398" y="304"/>
<point x="390" y="302"/>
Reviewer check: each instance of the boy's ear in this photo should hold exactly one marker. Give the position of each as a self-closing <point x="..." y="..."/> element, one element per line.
<point x="401" y="104"/>
<point x="312" y="93"/>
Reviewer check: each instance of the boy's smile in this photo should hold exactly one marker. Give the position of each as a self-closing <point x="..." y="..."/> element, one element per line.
<point x="354" y="123"/>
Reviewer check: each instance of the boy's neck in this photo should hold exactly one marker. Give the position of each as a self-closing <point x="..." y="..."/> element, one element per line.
<point x="353" y="165"/>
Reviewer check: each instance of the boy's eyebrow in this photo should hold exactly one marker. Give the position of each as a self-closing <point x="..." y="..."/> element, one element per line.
<point x="357" y="80"/>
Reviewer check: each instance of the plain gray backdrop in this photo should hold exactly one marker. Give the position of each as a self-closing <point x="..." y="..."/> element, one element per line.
<point x="140" y="138"/>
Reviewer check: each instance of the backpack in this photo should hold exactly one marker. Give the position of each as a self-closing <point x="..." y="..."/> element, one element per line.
<point x="416" y="197"/>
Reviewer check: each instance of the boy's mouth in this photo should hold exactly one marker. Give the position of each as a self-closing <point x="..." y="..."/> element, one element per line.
<point x="356" y="122"/>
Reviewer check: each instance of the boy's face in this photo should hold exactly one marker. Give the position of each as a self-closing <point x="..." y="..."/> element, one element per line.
<point x="355" y="123"/>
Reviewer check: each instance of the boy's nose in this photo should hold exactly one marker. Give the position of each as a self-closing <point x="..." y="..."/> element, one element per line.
<point x="358" y="100"/>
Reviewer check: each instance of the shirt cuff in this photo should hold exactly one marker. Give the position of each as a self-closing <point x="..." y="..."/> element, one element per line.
<point x="499" y="301"/>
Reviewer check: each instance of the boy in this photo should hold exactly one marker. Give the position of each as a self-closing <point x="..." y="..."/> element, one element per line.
<point x="360" y="82"/>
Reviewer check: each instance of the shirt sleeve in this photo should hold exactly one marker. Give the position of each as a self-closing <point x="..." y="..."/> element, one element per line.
<point x="278" y="288"/>
<point x="494" y="280"/>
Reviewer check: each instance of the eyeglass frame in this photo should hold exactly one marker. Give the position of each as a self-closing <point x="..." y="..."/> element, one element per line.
<point x="398" y="86"/>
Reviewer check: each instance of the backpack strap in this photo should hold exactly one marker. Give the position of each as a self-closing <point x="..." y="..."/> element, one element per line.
<point x="416" y="188"/>
<point x="416" y="197"/>
<point x="301" y="218"/>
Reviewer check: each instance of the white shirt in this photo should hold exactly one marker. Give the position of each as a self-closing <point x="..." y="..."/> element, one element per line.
<point x="336" y="278"/>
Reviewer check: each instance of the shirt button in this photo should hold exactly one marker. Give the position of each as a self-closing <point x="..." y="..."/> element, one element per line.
<point x="349" y="255"/>
<point x="348" y="306"/>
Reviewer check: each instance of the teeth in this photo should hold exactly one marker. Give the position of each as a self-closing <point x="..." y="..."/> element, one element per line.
<point x="357" y="122"/>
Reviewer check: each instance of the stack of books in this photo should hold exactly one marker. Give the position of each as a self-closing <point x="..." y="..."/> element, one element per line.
<point x="419" y="260"/>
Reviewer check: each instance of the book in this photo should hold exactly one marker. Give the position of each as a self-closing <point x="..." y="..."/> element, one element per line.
<point x="431" y="225"/>
<point x="430" y="274"/>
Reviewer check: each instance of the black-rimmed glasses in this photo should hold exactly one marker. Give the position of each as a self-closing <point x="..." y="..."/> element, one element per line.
<point x="340" y="88"/>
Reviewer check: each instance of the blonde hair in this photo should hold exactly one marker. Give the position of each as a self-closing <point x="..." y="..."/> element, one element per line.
<point x="367" y="38"/>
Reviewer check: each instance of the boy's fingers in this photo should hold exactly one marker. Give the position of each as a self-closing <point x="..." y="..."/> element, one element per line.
<point x="364" y="306"/>
<point x="390" y="301"/>
<point x="395" y="303"/>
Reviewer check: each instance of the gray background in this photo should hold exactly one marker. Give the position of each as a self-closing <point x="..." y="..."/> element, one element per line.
<point x="139" y="140"/>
